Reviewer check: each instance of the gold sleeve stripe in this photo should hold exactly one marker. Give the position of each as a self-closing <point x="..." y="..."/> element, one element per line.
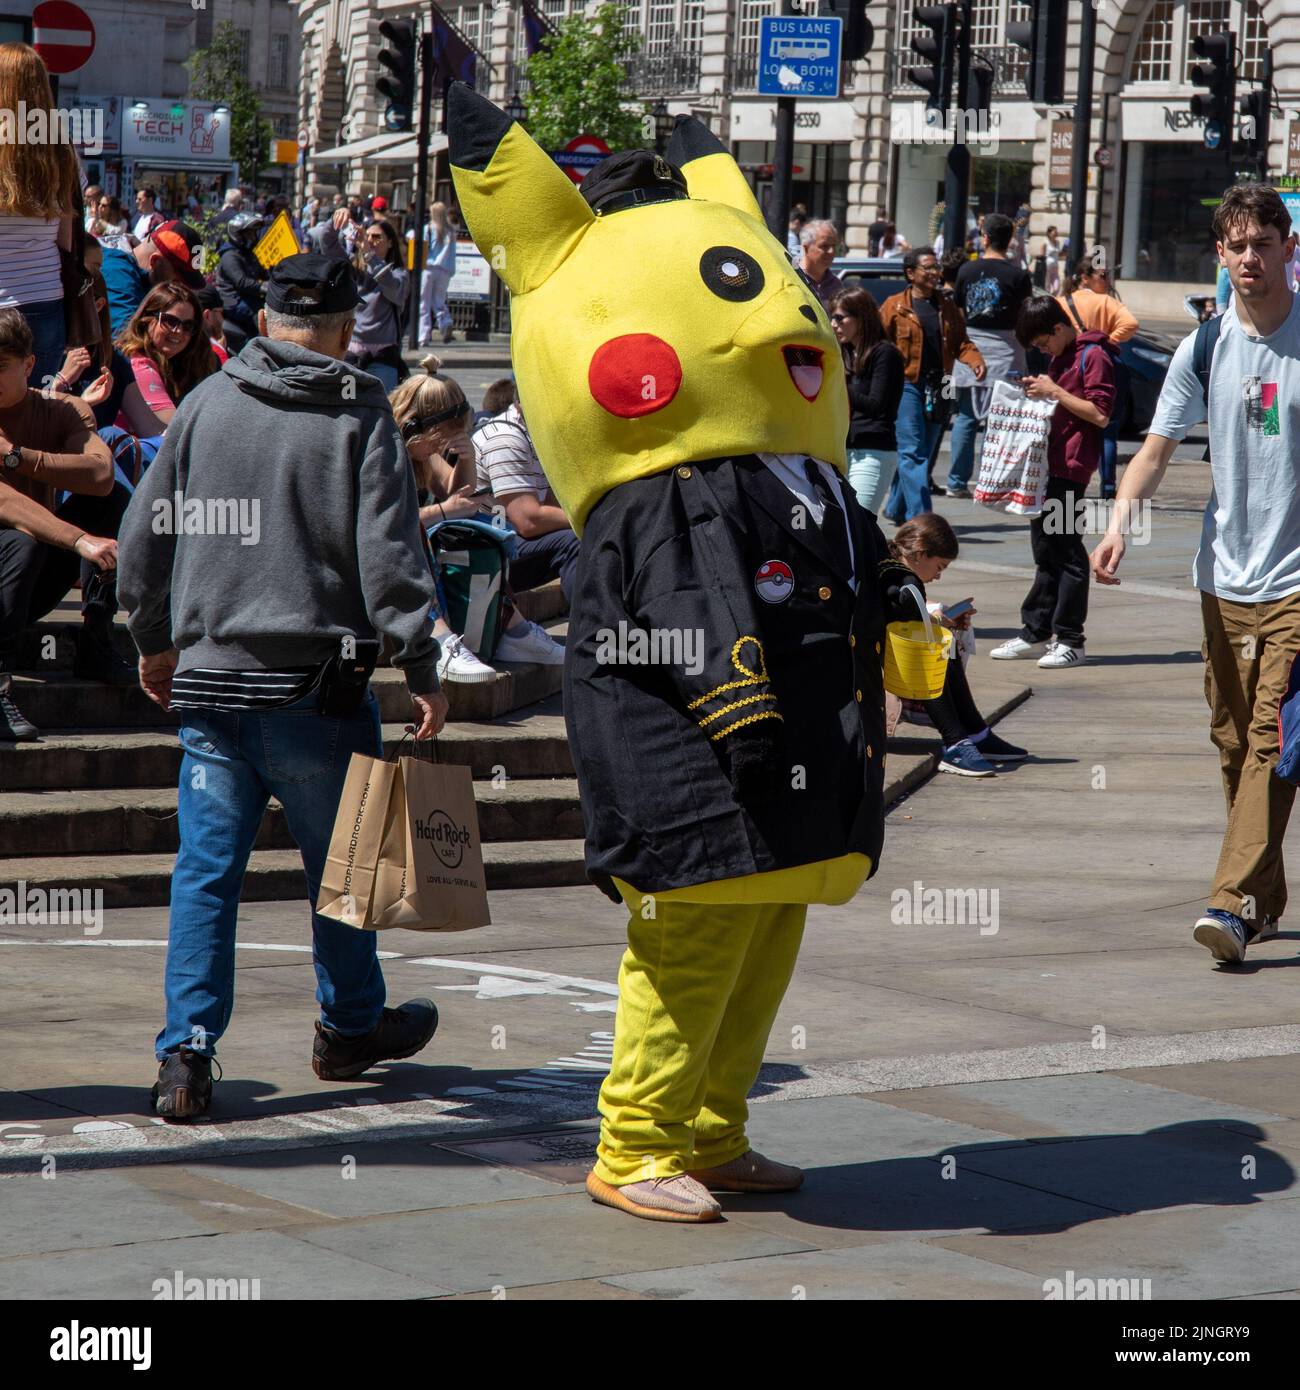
<point x="749" y="719"/>
<point x="735" y="704"/>
<point x="749" y="676"/>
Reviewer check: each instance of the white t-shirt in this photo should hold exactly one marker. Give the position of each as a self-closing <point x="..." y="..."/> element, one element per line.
<point x="1250" y="535"/>
<point x="29" y="261"/>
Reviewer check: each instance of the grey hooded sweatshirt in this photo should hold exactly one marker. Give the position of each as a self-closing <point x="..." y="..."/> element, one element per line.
<point x="279" y="517"/>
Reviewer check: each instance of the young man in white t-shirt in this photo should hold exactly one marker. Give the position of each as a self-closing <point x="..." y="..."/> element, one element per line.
<point x="1248" y="564"/>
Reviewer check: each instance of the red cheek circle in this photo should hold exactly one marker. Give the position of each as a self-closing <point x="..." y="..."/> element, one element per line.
<point x="634" y="375"/>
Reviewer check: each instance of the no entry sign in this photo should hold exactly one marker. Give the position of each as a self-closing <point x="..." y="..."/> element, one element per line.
<point x="62" y="34"/>
<point x="580" y="156"/>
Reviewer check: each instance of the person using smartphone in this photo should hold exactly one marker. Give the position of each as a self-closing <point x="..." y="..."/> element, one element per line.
<point x="927" y="545"/>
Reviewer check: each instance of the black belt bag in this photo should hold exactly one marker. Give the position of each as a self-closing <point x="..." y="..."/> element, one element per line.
<point x="341" y="686"/>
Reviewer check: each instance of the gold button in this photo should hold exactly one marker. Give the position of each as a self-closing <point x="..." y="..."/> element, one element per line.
<point x="853" y="641"/>
<point x="823" y="593"/>
<point x="683" y="472"/>
<point x="858" y="696"/>
<point x="868" y="750"/>
<point x="877" y="648"/>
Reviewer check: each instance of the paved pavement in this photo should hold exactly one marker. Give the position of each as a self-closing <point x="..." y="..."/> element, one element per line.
<point x="1043" y="1080"/>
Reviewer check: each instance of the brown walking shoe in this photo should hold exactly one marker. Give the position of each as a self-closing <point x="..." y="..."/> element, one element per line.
<point x="751" y="1172"/>
<point x="657" y="1199"/>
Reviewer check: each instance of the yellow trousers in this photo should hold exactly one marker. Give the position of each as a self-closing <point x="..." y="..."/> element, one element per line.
<point x="698" y="991"/>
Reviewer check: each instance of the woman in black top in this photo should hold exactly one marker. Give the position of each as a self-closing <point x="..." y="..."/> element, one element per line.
<point x="873" y="370"/>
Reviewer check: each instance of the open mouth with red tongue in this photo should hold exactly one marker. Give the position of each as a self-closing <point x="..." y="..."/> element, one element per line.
<point x="805" y="367"/>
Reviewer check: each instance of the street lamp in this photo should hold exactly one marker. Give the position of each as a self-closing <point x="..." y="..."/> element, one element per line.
<point x="663" y="124"/>
<point x="516" y="110"/>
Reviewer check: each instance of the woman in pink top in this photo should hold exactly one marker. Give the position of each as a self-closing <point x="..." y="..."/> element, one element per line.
<point x="169" y="355"/>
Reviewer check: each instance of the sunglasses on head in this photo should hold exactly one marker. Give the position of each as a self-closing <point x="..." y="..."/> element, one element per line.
<point x="421" y="423"/>
<point x="174" y="325"/>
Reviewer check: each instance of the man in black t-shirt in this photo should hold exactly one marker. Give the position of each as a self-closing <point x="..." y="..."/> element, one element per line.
<point x="989" y="291"/>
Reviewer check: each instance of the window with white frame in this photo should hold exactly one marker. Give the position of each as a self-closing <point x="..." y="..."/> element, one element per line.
<point x="752" y="14"/>
<point x="989" y="20"/>
<point x="1162" y="50"/>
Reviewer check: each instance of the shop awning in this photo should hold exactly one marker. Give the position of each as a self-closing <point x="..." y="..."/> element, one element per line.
<point x="387" y="148"/>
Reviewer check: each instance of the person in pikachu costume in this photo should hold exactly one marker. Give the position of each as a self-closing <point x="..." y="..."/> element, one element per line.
<point x="685" y="395"/>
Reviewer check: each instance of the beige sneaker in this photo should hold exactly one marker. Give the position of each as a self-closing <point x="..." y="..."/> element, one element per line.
<point x="657" y="1199"/>
<point x="751" y="1172"/>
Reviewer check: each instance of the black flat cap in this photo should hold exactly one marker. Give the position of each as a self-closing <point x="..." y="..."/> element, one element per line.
<point x="328" y="282"/>
<point x="631" y="179"/>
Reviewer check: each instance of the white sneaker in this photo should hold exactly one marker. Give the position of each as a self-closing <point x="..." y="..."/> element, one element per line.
<point x="531" y="643"/>
<point x="457" y="663"/>
<point x="1058" y="654"/>
<point x="1017" y="649"/>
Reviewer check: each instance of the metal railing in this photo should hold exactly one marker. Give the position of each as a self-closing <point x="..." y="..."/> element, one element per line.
<point x="1009" y="67"/>
<point x="665" y="72"/>
<point x="744" y="72"/>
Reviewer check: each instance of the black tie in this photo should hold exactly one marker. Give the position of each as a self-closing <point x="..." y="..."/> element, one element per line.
<point x="834" y="528"/>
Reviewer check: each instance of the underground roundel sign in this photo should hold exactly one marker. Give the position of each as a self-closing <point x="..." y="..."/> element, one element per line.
<point x="581" y="155"/>
<point x="63" y="34"/>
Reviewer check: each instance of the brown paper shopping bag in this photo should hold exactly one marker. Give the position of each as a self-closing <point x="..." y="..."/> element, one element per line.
<point x="445" y="851"/>
<point x="360" y="841"/>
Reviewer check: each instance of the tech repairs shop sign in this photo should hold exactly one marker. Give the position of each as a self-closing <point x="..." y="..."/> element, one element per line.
<point x="182" y="130"/>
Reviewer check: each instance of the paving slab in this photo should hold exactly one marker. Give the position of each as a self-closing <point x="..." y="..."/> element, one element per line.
<point x="893" y="1270"/>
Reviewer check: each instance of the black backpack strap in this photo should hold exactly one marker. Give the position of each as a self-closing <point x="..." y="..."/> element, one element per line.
<point x="1069" y="300"/>
<point x="1207" y="336"/>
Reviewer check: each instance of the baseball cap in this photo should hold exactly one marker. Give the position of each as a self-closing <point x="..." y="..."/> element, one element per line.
<point x="176" y="243"/>
<point x="329" y="281"/>
<point x="631" y="178"/>
<point x="208" y="297"/>
<point x="379" y="204"/>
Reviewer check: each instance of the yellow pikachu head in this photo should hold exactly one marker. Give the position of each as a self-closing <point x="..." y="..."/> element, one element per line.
<point x="666" y="331"/>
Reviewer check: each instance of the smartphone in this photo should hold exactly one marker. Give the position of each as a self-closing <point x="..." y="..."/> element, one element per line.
<point x="958" y="609"/>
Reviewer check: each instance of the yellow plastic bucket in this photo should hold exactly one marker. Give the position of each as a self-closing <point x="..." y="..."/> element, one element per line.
<point x="916" y="656"/>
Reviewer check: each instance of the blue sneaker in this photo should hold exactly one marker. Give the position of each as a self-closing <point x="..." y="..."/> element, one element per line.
<point x="965" y="760"/>
<point x="1223" y="934"/>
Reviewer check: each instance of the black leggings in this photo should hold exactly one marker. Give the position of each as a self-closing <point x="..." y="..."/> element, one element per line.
<point x="954" y="713"/>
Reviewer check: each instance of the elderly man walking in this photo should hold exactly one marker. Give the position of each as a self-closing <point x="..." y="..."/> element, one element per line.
<point x="256" y="614"/>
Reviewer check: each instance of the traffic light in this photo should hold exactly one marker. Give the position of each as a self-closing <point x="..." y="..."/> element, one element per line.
<point x="1043" y="38"/>
<point x="981" y="95"/>
<point x="940" y="48"/>
<point x="1219" y="74"/>
<point x="398" y="82"/>
<point x="859" y="32"/>
<point x="1255" y="107"/>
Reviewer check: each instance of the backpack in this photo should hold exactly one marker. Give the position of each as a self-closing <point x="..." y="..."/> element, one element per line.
<point x="1207" y="339"/>
<point x="470" y="560"/>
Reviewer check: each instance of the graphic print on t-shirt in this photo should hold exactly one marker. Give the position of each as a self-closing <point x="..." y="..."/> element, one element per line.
<point x="1261" y="403"/>
<point x="983" y="296"/>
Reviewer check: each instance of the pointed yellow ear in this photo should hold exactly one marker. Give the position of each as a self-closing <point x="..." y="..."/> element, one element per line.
<point x="710" y="171"/>
<point x="524" y="213"/>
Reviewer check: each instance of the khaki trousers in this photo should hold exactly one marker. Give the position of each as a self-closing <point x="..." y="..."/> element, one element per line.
<point x="1248" y="651"/>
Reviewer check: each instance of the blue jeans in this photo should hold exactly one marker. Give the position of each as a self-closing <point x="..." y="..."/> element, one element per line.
<point x="48" y="335"/>
<point x="232" y="764"/>
<point x="871" y="474"/>
<point x="964" y="429"/>
<point x="910" y="494"/>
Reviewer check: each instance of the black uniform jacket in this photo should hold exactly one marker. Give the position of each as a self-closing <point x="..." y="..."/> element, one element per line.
<point x="771" y="755"/>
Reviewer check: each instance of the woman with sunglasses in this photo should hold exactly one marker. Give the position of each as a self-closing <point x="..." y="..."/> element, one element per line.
<point x="433" y="416"/>
<point x="873" y="370"/>
<point x="169" y="355"/>
<point x="382" y="283"/>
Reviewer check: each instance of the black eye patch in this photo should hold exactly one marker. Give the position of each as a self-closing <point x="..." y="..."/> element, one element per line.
<point x="731" y="274"/>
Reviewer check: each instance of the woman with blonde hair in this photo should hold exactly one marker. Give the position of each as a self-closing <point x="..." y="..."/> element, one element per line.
<point x="439" y="267"/>
<point x="433" y="416"/>
<point x="40" y="199"/>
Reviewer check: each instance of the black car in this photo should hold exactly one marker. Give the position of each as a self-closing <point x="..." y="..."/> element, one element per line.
<point x="1146" y="359"/>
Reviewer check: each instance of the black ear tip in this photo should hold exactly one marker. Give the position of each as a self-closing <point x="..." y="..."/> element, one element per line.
<point x="474" y="127"/>
<point x="692" y="139"/>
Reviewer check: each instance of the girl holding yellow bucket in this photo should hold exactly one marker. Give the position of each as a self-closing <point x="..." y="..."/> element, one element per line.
<point x="921" y="659"/>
